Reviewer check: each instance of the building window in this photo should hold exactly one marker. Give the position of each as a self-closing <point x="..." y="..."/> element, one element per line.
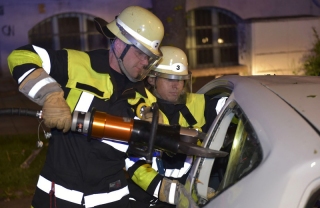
<point x="212" y="38"/>
<point x="1" y="10"/>
<point x="70" y="30"/>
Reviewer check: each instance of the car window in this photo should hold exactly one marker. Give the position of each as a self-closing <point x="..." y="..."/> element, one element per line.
<point x="234" y="134"/>
<point x="245" y="153"/>
<point x="314" y="200"/>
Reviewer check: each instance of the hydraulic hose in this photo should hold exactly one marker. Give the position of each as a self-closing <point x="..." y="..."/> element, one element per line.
<point x="20" y="112"/>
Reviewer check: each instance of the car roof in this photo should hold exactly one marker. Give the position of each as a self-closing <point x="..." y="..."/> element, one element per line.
<point x="302" y="93"/>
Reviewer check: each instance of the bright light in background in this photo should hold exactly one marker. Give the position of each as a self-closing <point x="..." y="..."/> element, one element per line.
<point x="205" y="40"/>
<point x="313" y="164"/>
<point x="220" y="40"/>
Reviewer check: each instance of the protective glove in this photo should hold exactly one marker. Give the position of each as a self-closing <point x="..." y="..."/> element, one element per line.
<point x="148" y="117"/>
<point x="173" y="192"/>
<point x="145" y="113"/>
<point x="56" y="112"/>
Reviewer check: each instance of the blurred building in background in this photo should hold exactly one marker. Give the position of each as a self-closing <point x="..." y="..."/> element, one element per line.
<point x="245" y="37"/>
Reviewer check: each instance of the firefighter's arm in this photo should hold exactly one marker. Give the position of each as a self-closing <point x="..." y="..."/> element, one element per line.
<point x="35" y="83"/>
<point x="166" y="190"/>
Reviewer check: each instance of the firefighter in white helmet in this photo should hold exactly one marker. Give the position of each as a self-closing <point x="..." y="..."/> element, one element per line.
<point x="170" y="83"/>
<point x="78" y="173"/>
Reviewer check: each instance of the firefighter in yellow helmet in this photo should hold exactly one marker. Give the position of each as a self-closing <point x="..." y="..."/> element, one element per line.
<point x="170" y="83"/>
<point x="78" y="173"/>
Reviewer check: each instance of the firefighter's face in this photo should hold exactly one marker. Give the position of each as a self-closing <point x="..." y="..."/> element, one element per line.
<point x="135" y="61"/>
<point x="168" y="89"/>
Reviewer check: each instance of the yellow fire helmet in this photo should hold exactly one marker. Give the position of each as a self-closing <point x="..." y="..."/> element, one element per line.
<point x="139" y="27"/>
<point x="173" y="65"/>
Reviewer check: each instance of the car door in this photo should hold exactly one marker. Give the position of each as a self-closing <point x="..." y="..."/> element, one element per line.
<point x="230" y="132"/>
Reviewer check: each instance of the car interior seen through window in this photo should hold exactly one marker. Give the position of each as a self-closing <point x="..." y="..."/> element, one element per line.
<point x="234" y="134"/>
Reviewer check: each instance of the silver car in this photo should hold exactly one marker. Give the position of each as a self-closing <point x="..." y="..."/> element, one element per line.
<point x="270" y="126"/>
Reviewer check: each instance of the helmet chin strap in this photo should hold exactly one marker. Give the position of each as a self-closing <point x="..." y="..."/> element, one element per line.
<point x="120" y="61"/>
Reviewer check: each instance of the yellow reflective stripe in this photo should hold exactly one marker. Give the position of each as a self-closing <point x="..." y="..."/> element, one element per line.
<point x="72" y="98"/>
<point x="144" y="175"/>
<point x="20" y="57"/>
<point x="105" y="198"/>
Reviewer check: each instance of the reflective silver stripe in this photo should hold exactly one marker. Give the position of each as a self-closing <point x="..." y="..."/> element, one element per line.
<point x="178" y="173"/>
<point x="46" y="64"/>
<point x="172" y="173"/>
<point x="156" y="191"/>
<point x="130" y="163"/>
<point x="24" y="75"/>
<point x="172" y="193"/>
<point x="105" y="198"/>
<point x="220" y="104"/>
<point x="39" y="85"/>
<point x="60" y="191"/>
<point x="84" y="102"/>
<point x="154" y="163"/>
<point x="122" y="147"/>
<point x="173" y="67"/>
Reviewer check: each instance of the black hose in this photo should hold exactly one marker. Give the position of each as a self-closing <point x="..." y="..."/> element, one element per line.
<point x="19" y="112"/>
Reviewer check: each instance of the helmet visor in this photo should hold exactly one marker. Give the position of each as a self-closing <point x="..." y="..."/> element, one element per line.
<point x="151" y="61"/>
<point x="141" y="46"/>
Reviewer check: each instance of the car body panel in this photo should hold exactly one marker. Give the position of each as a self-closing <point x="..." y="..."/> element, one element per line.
<point x="302" y="94"/>
<point x="290" y="168"/>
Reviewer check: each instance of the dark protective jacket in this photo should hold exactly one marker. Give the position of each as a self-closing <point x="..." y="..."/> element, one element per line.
<point x="83" y="172"/>
<point x="198" y="112"/>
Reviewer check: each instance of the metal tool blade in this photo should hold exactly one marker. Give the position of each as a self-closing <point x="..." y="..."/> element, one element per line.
<point x="191" y="149"/>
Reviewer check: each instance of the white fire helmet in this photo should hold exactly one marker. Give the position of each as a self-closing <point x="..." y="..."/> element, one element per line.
<point x="138" y="27"/>
<point x="174" y="66"/>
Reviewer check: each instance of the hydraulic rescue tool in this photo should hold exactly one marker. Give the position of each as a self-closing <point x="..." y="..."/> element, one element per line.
<point x="141" y="136"/>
